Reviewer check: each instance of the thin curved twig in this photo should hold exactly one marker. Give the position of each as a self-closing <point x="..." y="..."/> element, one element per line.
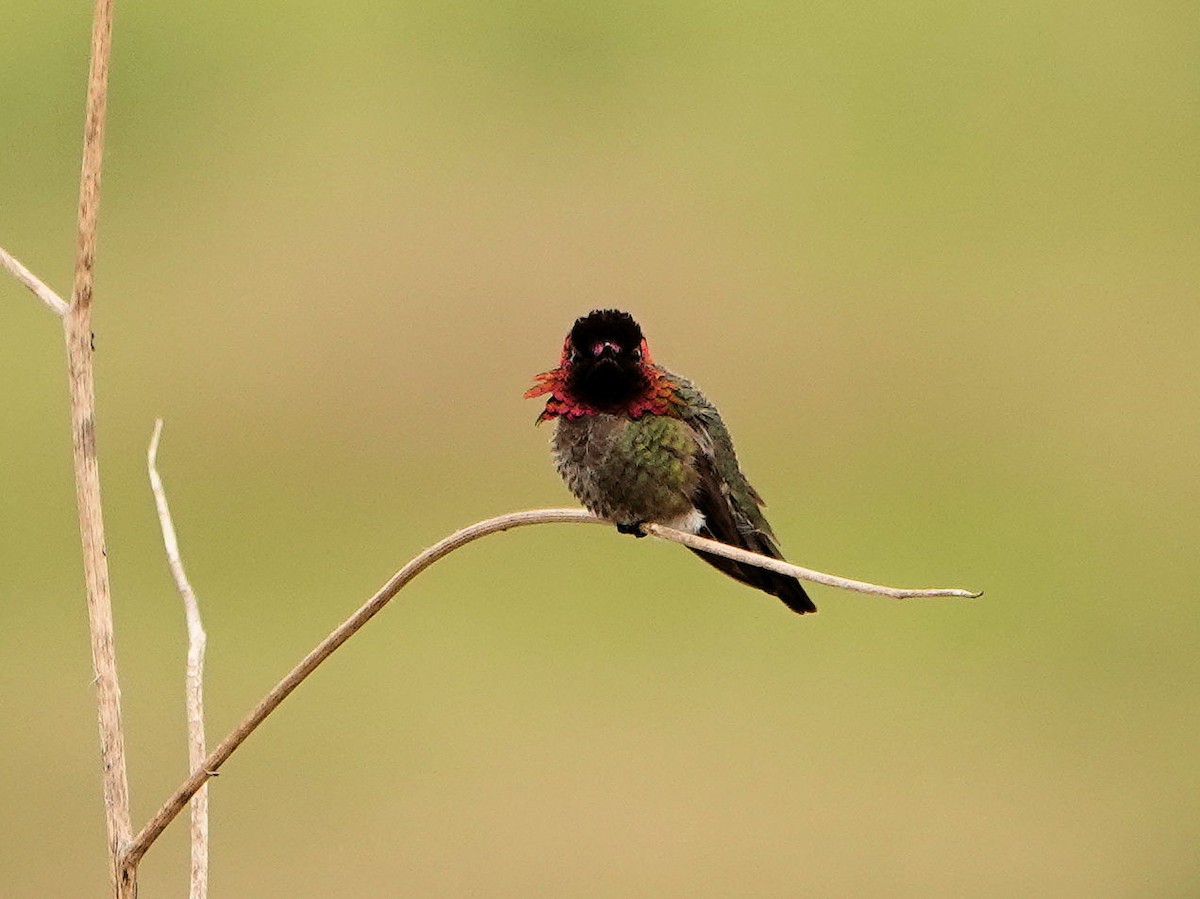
<point x="194" y="678"/>
<point x="323" y="650"/>
<point x="216" y="758"/>
<point x="57" y="304"/>
<point x="805" y="574"/>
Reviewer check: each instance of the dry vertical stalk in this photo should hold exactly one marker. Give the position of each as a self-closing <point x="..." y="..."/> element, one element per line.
<point x="194" y="680"/>
<point x="77" y="326"/>
<point x="77" y="331"/>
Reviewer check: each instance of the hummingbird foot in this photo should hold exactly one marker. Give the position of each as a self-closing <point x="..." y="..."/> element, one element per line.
<point x="634" y="527"/>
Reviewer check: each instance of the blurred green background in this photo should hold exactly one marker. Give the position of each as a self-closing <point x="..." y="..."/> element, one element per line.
<point x="937" y="262"/>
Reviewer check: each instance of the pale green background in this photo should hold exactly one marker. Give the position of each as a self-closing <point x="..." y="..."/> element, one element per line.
<point x="936" y="261"/>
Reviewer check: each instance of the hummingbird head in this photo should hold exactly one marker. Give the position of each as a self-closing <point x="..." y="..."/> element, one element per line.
<point x="604" y="358"/>
<point x="605" y="367"/>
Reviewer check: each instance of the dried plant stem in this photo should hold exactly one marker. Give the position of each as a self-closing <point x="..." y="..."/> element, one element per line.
<point x="56" y="303"/>
<point x="93" y="153"/>
<point x="805" y="574"/>
<point x="194" y="679"/>
<point x="324" y="649"/>
<point x="271" y="701"/>
<point x="77" y="326"/>
<point x="99" y="599"/>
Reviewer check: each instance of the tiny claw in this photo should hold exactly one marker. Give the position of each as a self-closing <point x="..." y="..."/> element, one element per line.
<point x="634" y="528"/>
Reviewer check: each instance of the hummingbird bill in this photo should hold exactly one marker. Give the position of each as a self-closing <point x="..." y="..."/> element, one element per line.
<point x="637" y="443"/>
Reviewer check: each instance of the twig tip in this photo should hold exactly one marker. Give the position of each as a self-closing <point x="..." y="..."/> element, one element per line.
<point x="152" y="452"/>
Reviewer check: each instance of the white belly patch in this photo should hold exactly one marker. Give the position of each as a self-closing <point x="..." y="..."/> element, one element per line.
<point x="690" y="521"/>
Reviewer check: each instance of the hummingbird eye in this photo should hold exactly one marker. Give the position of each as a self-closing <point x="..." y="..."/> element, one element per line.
<point x="636" y="354"/>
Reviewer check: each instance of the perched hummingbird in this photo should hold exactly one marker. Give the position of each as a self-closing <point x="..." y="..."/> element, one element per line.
<point x="636" y="443"/>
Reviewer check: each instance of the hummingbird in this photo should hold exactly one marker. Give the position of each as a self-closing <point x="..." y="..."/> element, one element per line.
<point x="637" y="443"/>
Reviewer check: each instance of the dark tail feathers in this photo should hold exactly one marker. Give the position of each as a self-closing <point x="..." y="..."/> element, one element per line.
<point x="786" y="588"/>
